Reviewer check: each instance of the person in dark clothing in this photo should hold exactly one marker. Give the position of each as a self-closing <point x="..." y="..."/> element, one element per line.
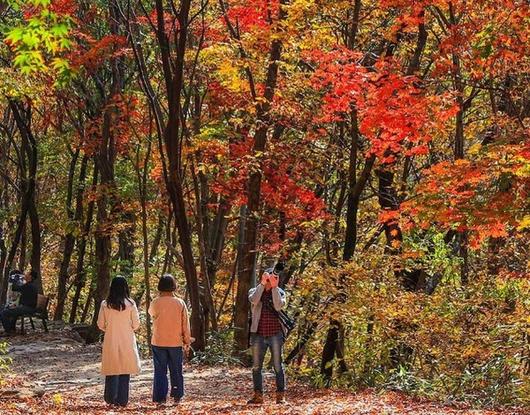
<point x="27" y="303"/>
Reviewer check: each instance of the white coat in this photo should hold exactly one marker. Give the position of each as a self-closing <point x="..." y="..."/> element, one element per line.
<point x="120" y="352"/>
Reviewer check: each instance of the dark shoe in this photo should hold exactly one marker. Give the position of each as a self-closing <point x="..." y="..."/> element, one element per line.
<point x="177" y="400"/>
<point x="280" y="397"/>
<point x="257" y="399"/>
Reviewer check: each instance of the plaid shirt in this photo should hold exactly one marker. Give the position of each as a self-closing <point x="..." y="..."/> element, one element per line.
<point x="269" y="324"/>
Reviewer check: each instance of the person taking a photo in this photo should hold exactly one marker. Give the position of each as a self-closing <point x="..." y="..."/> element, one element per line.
<point x="267" y="299"/>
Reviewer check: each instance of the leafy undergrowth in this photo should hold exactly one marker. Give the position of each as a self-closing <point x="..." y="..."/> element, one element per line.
<point x="67" y="371"/>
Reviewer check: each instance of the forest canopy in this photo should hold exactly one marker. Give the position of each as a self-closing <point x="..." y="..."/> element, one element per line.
<point x="379" y="149"/>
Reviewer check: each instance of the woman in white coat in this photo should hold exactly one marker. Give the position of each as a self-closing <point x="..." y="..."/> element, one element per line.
<point x="118" y="318"/>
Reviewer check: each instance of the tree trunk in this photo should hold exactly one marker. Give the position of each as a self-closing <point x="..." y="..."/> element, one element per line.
<point x="80" y="278"/>
<point x="217" y="237"/>
<point x="102" y="234"/>
<point x="334" y="345"/>
<point x="173" y="70"/>
<point x="23" y="248"/>
<point x="29" y="183"/>
<point x="105" y="159"/>
<point x="202" y="224"/>
<point x="69" y="239"/>
<point x="248" y="249"/>
<point x="459" y="86"/>
<point x="142" y="190"/>
<point x="126" y="245"/>
<point x="36" y="243"/>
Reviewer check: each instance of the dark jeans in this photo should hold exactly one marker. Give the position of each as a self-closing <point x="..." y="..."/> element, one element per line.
<point x="9" y="316"/>
<point x="259" y="345"/>
<point x="117" y="389"/>
<point x="164" y="358"/>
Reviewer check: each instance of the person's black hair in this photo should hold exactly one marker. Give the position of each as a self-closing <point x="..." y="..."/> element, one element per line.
<point x="118" y="293"/>
<point x="167" y="283"/>
<point x="15" y="272"/>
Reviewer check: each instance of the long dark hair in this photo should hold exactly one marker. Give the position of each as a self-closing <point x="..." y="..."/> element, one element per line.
<point x="118" y="293"/>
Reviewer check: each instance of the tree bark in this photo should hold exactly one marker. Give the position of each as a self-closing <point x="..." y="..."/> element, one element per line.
<point x="173" y="70"/>
<point x="334" y="345"/>
<point x="80" y="278"/>
<point x="126" y="244"/>
<point x="29" y="154"/>
<point x="69" y="239"/>
<point x="248" y="249"/>
<point x="105" y="160"/>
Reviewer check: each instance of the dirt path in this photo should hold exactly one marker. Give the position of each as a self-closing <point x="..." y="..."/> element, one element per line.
<point x="68" y="372"/>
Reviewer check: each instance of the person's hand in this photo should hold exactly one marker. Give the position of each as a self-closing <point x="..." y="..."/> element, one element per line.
<point x="264" y="278"/>
<point x="274" y="279"/>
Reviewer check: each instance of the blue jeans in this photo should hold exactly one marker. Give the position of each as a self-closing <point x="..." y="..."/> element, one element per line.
<point x="259" y="345"/>
<point x="117" y="389"/>
<point x="164" y="358"/>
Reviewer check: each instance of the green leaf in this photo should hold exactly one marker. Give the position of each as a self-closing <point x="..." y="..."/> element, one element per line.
<point x="30" y="39"/>
<point x="15" y="35"/>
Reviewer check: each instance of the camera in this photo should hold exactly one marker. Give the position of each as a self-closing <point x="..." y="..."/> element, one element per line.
<point x="15" y="279"/>
<point x="278" y="268"/>
<point x="270" y="273"/>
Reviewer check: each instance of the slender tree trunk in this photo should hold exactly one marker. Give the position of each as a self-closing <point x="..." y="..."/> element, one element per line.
<point x="142" y="190"/>
<point x="86" y="306"/>
<point x="202" y="223"/>
<point x="202" y="231"/>
<point x="461" y="236"/>
<point x="69" y="239"/>
<point x="173" y="70"/>
<point x="14" y="244"/>
<point x="81" y="274"/>
<point x="248" y="249"/>
<point x="126" y="245"/>
<point x="458" y="86"/>
<point x="228" y="289"/>
<point x="217" y="237"/>
<point x="105" y="159"/>
<point x="3" y="250"/>
<point x="102" y="238"/>
<point x="147" y="283"/>
<point x="334" y="345"/>
<point x="20" y="222"/>
<point x="23" y="248"/>
<point x="152" y="253"/>
<point x="28" y="204"/>
<point x="36" y="243"/>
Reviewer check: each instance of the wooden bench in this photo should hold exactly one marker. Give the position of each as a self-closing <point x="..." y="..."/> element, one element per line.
<point x="41" y="311"/>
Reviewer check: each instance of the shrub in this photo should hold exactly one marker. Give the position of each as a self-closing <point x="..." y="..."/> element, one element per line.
<point x="5" y="361"/>
<point x="460" y="343"/>
<point x="218" y="350"/>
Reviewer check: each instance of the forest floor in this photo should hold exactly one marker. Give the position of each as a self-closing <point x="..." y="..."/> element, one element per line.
<point x="66" y="371"/>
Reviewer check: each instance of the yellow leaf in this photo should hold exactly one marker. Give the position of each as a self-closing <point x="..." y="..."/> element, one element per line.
<point x="524" y="224"/>
<point x="57" y="399"/>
